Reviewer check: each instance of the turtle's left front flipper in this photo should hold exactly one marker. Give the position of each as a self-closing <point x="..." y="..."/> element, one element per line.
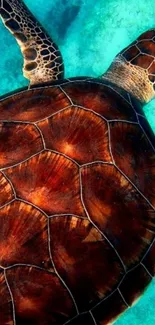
<point x="42" y="58"/>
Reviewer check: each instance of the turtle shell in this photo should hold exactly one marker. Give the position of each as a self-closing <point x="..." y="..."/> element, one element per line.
<point x="77" y="204"/>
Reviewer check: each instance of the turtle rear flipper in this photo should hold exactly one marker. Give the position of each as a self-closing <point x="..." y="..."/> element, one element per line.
<point x="42" y="58"/>
<point x="133" y="69"/>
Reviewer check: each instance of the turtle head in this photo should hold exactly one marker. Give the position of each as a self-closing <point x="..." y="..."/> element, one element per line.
<point x="134" y="68"/>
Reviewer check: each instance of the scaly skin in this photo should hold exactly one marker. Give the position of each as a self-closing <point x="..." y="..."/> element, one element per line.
<point x="134" y="68"/>
<point x="42" y="58"/>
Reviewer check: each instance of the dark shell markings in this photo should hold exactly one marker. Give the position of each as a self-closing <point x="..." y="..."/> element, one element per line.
<point x="76" y="209"/>
<point x="77" y="183"/>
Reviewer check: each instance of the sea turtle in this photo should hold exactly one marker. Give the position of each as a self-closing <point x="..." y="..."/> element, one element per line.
<point x="77" y="184"/>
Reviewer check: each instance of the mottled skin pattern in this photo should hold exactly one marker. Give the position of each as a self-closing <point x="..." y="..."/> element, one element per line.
<point x="77" y="192"/>
<point x="142" y="52"/>
<point x="134" y="67"/>
<point x="42" y="58"/>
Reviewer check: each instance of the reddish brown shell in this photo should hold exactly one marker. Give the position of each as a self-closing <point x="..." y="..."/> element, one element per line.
<point x="77" y="204"/>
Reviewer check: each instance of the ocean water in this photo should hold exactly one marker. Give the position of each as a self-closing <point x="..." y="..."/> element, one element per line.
<point x="89" y="33"/>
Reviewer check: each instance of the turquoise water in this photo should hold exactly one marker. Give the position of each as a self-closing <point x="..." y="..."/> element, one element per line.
<point x="89" y="33"/>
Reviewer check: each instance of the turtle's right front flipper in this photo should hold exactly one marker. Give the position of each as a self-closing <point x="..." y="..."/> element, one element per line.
<point x="42" y="58"/>
<point x="133" y="69"/>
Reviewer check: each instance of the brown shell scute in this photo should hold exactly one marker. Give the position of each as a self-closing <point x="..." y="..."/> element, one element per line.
<point x="92" y="269"/>
<point x="32" y="106"/>
<point x="149" y="259"/>
<point x="82" y="319"/>
<point x="19" y="244"/>
<point x="40" y="296"/>
<point x="134" y="155"/>
<point x="6" y="310"/>
<point x="77" y="204"/>
<point x="140" y="277"/>
<point x="84" y="144"/>
<point x="100" y="99"/>
<point x="49" y="181"/>
<point x="114" y="211"/>
<point x="6" y="191"/>
<point x="106" y="312"/>
<point x="18" y="142"/>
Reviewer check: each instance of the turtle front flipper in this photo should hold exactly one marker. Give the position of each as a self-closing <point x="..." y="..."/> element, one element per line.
<point x="42" y="58"/>
<point x="133" y="69"/>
